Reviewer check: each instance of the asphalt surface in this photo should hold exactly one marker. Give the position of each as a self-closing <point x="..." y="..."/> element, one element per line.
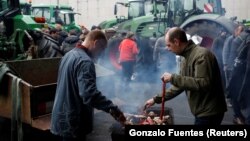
<point x="103" y="122"/>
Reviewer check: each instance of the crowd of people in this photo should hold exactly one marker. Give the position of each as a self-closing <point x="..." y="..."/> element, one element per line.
<point x="207" y="76"/>
<point x="232" y="61"/>
<point x="199" y="77"/>
<point x="67" y="40"/>
<point x="236" y="55"/>
<point x="227" y="49"/>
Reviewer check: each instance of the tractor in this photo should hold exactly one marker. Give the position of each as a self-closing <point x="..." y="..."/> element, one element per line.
<point x="28" y="70"/>
<point x="135" y="8"/>
<point x="21" y="35"/>
<point x="141" y="15"/>
<point x="53" y="14"/>
<point x="246" y="22"/>
<point x="29" y="62"/>
<point x="204" y="18"/>
<point x="25" y="7"/>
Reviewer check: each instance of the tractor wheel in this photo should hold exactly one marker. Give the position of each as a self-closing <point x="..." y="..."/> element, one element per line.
<point x="208" y="30"/>
<point x="110" y="57"/>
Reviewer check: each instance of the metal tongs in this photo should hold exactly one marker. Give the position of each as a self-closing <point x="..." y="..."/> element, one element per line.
<point x="162" y="103"/>
<point x="163" y="99"/>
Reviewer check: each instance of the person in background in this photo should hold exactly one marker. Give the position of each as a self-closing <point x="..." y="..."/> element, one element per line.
<point x="62" y="33"/>
<point x="128" y="51"/>
<point x="217" y="48"/>
<point x="45" y="30"/>
<point x="70" y="41"/>
<point x="84" y="29"/>
<point x="94" y="27"/>
<point x="165" y="60"/>
<point x="238" y="88"/>
<point x="77" y="93"/>
<point x="54" y="33"/>
<point x="229" y="54"/>
<point x="244" y="94"/>
<point x="199" y="77"/>
<point x="83" y="35"/>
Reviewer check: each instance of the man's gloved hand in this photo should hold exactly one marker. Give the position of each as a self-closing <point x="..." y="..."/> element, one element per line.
<point x="118" y="115"/>
<point x="149" y="103"/>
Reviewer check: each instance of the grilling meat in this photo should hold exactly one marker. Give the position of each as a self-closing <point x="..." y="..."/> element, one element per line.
<point x="150" y="119"/>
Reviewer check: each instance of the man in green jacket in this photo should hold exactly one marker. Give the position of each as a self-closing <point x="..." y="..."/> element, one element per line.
<point x="199" y="77"/>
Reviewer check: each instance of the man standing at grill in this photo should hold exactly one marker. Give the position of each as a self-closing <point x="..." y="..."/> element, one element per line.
<point x="199" y="77"/>
<point x="77" y="94"/>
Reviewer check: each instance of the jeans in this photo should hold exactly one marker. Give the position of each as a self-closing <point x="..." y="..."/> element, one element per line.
<point x="127" y="70"/>
<point x="209" y="120"/>
<point x="236" y="108"/>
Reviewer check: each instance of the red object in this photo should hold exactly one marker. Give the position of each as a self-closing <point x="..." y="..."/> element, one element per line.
<point x="150" y="121"/>
<point x="128" y="50"/>
<point x="163" y="99"/>
<point x="39" y="19"/>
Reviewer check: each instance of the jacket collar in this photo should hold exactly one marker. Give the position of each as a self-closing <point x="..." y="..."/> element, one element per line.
<point x="80" y="46"/>
<point x="188" y="49"/>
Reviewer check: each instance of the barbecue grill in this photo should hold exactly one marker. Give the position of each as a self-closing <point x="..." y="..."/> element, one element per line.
<point x="150" y="117"/>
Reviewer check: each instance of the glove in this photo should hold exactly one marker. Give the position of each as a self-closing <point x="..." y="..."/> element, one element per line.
<point x="118" y="115"/>
<point x="149" y="103"/>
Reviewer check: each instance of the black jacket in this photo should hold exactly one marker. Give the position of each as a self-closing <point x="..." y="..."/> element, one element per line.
<point x="239" y="82"/>
<point x="69" y="43"/>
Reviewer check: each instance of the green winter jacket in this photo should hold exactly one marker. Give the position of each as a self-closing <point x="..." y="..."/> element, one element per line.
<point x="200" y="79"/>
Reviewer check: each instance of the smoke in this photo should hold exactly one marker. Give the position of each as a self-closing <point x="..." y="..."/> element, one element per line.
<point x="145" y="82"/>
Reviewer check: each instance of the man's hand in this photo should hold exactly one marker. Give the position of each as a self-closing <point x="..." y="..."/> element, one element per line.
<point x="118" y="115"/>
<point x="149" y="103"/>
<point x="166" y="77"/>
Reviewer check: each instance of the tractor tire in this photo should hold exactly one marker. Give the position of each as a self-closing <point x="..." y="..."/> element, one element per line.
<point x="207" y="29"/>
<point x="47" y="47"/>
<point x="110" y="58"/>
<point x="144" y="62"/>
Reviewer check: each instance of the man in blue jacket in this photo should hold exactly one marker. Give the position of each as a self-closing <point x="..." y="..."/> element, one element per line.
<point x="77" y="93"/>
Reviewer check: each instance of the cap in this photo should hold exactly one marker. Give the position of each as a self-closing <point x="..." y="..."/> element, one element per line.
<point x="130" y="34"/>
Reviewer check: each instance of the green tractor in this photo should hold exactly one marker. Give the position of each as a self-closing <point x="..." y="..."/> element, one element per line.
<point x="28" y="71"/>
<point x="152" y="22"/>
<point x="53" y="14"/>
<point x="135" y="8"/>
<point x="204" y="18"/>
<point x="142" y="14"/>
<point x="246" y="22"/>
<point x="20" y="35"/>
<point x="29" y="62"/>
<point x="25" y="7"/>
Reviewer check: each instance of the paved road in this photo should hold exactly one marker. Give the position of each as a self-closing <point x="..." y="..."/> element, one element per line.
<point x="179" y="106"/>
<point x="136" y="97"/>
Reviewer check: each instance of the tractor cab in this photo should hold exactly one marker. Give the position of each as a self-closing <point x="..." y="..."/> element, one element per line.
<point x="135" y="9"/>
<point x="54" y="14"/>
<point x="183" y="9"/>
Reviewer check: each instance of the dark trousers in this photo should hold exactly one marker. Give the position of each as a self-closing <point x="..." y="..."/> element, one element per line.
<point x="228" y="74"/>
<point x="236" y="108"/>
<point x="209" y="120"/>
<point x="127" y="70"/>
